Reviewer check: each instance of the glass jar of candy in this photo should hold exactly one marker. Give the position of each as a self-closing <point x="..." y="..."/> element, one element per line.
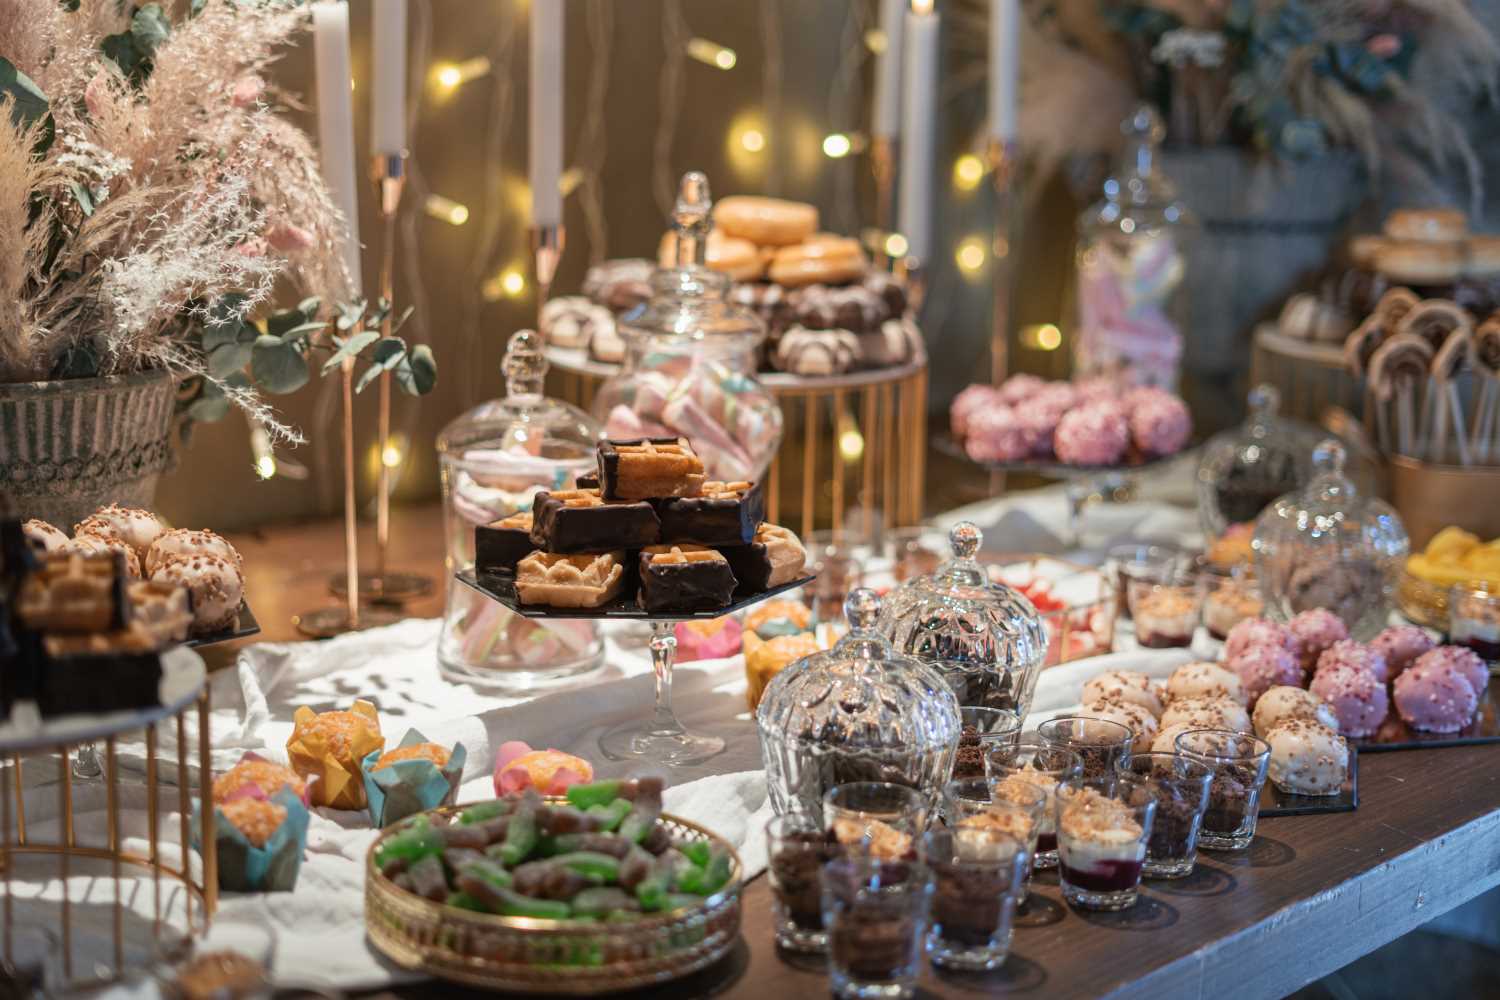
<point x="690" y="361"/>
<point x="1132" y="255"/>
<point x="494" y="459"/>
<point x="1245" y="468"/>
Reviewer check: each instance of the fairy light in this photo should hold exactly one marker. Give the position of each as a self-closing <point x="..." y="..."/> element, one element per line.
<point x="970" y="255"/>
<point x="508" y="284"/>
<point x="711" y="53"/>
<point x="836" y="146"/>
<point x="569" y="181"/>
<point x="1041" y="337"/>
<point x="445" y="210"/>
<point x="394" y="452"/>
<point x="876" y="41"/>
<point x="752" y="140"/>
<point x="448" y="77"/>
<point x="851" y="444"/>
<point x="968" y="171"/>
<point x="896" y="245"/>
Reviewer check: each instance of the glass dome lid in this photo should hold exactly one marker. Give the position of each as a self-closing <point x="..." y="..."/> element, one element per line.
<point x="856" y="712"/>
<point x="984" y="638"/>
<point x="1244" y="469"/>
<point x="1330" y="547"/>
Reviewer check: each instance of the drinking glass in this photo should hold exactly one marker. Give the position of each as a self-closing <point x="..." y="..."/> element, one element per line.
<point x="1044" y="766"/>
<point x="875" y="913"/>
<point x="976" y="891"/>
<point x="1180" y="786"/>
<point x="797" y="847"/>
<point x="1103" y="826"/>
<point x="1102" y="745"/>
<point x="1151" y="563"/>
<point x="989" y="726"/>
<point x="1238" y="762"/>
<point x="877" y="817"/>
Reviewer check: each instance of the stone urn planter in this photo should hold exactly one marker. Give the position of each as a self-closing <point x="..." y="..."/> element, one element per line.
<point x="71" y="446"/>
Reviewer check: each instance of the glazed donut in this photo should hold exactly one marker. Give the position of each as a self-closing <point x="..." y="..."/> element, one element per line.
<point x="1433" y="225"/>
<point x="1421" y="263"/>
<point x="573" y="321"/>
<point x="740" y="259"/>
<point x="620" y="285"/>
<point x="607" y="345"/>
<point x="767" y="222"/>
<point x="182" y="542"/>
<point x="824" y="259"/>
<point x="133" y="526"/>
<point x="99" y="544"/>
<point x="215" y="583"/>
<point x="43" y="537"/>
<point x="816" y="352"/>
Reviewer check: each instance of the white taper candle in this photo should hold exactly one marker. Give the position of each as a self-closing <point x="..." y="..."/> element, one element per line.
<point x="919" y="116"/>
<point x="388" y="73"/>
<point x="1005" y="70"/>
<point x="886" y="119"/>
<point x="546" y="111"/>
<point x="336" y="123"/>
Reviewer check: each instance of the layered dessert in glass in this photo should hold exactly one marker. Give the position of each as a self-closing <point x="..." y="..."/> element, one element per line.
<point x="1103" y="826"/>
<point x="1045" y="767"/>
<point x="1239" y="763"/>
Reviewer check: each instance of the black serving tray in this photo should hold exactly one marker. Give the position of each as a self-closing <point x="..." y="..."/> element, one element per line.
<point x="245" y="625"/>
<point x="1394" y="734"/>
<point x="502" y="587"/>
<point x="1275" y="802"/>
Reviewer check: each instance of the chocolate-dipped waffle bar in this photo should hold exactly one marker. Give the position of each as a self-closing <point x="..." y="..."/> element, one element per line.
<point x="500" y="545"/>
<point x="684" y="578"/>
<point x="774" y="556"/>
<point x="649" y="468"/>
<point x="723" y="514"/>
<point x="578" y="521"/>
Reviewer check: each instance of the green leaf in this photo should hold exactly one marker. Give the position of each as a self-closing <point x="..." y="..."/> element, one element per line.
<point x="226" y="327"/>
<point x="309" y="306"/>
<point x="350" y="314"/>
<point x="85" y="200"/>
<point x="417" y="374"/>
<point x="388" y="353"/>
<point x="210" y="405"/>
<point x="277" y="366"/>
<point x="196" y="7"/>
<point x="279" y="324"/>
<point x="29" y="105"/>
<point x="149" y="28"/>
<point x="369" y="375"/>
<point x="226" y="359"/>
<point x="350" y="348"/>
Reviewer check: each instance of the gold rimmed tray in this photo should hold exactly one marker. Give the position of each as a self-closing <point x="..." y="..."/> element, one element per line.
<point x="563" y="957"/>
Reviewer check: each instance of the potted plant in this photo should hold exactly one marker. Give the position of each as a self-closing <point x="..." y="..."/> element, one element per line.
<point x="152" y="195"/>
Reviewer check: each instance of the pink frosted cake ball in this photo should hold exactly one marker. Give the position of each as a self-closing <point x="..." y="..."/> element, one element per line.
<point x="1401" y="645"/>
<point x="1434" y="697"/>
<point x="1348" y="653"/>
<point x="1097" y="389"/>
<point x="1092" y="435"/>
<point x="1160" y="424"/>
<point x="1265" y="666"/>
<point x="1316" y="630"/>
<point x="1255" y="632"/>
<point x="1462" y="661"/>
<point x="995" y="435"/>
<point x="1356" y="697"/>
<point x="1040" y="425"/>
<point x="1019" y="388"/>
<point x="1054" y="398"/>
<point x="969" y="402"/>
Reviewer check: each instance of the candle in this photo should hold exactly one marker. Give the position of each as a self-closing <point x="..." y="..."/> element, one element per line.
<point x="887" y="115"/>
<point x="388" y="87"/>
<point x="919" y="116"/>
<point x="336" y="123"/>
<point x="1005" y="70"/>
<point x="546" y="111"/>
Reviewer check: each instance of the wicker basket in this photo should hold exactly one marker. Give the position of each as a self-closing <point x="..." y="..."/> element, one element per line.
<point x="71" y="446"/>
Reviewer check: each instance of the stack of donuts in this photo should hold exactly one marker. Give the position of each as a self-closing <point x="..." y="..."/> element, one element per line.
<point x="204" y="563"/>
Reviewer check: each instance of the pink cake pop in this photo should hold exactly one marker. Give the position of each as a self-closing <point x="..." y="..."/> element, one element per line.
<point x="996" y="435"/>
<point x="1160" y="424"/>
<point x="1054" y="398"/>
<point x="1092" y="435"/>
<point x="967" y="403"/>
<point x="1040" y="424"/>
<point x="1255" y="631"/>
<point x="1019" y="388"/>
<point x="1464" y="662"/>
<point x="1357" y="698"/>
<point x="1348" y="653"/>
<point x="1264" y="666"/>
<point x="1316" y="630"/>
<point x="1434" y="697"/>
<point x="1401" y="645"/>
<point x="1097" y="389"/>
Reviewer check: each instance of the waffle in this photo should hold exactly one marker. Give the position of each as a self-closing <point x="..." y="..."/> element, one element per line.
<point x="570" y="522"/>
<point x="74" y="592"/>
<point x="684" y="578"/>
<point x="570" y="581"/>
<point x="649" y="468"/>
<point x="723" y="514"/>
<point x="500" y="545"/>
<point x="774" y="557"/>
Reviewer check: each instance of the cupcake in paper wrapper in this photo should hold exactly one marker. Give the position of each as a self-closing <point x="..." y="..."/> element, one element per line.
<point x="416" y="776"/>
<point x="260" y="841"/>
<point x="326" y="748"/>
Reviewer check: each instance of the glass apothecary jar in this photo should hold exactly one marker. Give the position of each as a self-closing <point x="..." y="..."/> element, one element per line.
<point x="494" y="459"/>
<point x="856" y="712"/>
<point x="1330" y="547"/>
<point x="1132" y="256"/>
<point x="1245" y="469"/>
<point x="985" y="639"/>
<point x="690" y="360"/>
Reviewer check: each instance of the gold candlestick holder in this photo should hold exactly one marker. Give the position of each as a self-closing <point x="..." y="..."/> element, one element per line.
<point x="1004" y="163"/>
<point x="883" y="166"/>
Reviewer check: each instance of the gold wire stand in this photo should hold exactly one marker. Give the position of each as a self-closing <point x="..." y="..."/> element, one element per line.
<point x="849" y="442"/>
<point x="200" y="896"/>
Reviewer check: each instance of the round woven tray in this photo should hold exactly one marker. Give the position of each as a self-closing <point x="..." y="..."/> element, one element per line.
<point x="551" y="956"/>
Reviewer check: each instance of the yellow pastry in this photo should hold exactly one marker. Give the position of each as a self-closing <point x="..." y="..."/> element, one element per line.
<point x="329" y="746"/>
<point x="771" y="657"/>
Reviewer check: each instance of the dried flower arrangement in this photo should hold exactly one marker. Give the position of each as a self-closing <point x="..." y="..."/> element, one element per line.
<point x="152" y="194"/>
<point x="1293" y="78"/>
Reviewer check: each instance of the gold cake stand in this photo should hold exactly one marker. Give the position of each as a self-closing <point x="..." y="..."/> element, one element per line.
<point x="861" y="436"/>
<point x="52" y="746"/>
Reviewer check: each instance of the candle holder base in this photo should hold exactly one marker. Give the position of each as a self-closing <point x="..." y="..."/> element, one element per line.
<point x="389" y="588"/>
<point x="325" y="623"/>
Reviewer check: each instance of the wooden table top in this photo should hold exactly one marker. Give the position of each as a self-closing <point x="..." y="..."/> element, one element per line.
<point x="1312" y="894"/>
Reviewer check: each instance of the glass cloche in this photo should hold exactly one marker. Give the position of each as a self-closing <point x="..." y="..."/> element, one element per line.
<point x="494" y="460"/>
<point x="690" y="359"/>
<point x="1244" y="469"/>
<point x="1329" y="547"/>
<point x="856" y="712"/>
<point x="984" y="638"/>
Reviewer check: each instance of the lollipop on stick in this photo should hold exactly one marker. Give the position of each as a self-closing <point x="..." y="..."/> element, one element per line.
<point x="1359" y="347"/>
<point x="1487" y="365"/>
<point x="1393" y="306"/>
<point x="1395" y="369"/>
<point x="1452" y="358"/>
<point x="1434" y="320"/>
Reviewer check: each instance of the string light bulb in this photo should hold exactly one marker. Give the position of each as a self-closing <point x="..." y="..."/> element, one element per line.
<point x="752" y="140"/>
<point x="968" y="171"/>
<point x="393" y="454"/>
<point x="1041" y="337"/>
<point x="711" y="53"/>
<point x="896" y="246"/>
<point x="836" y="146"/>
<point x="921" y="7"/>
<point x="970" y="255"/>
<point x="448" y="77"/>
<point x="508" y="284"/>
<point x="446" y="210"/>
<point x="876" y="41"/>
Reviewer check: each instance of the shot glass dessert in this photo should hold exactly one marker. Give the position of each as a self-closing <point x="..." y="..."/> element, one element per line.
<point x="1103" y="825"/>
<point x="1474" y="619"/>
<point x="1239" y="764"/>
<point x="1180" y="787"/>
<point x="1229" y="601"/>
<point x="877" y="818"/>
<point x="1166" y="614"/>
<point x="1124" y="563"/>
<point x="982" y="728"/>
<point x="797" y="847"/>
<point x="1043" y="766"/>
<point x="1102" y="745"/>
<point x="977" y="884"/>
<point x="876" y="914"/>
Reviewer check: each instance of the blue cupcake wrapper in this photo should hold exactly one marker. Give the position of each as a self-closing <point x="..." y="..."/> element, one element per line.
<point x="409" y="786"/>
<point x="243" y="867"/>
